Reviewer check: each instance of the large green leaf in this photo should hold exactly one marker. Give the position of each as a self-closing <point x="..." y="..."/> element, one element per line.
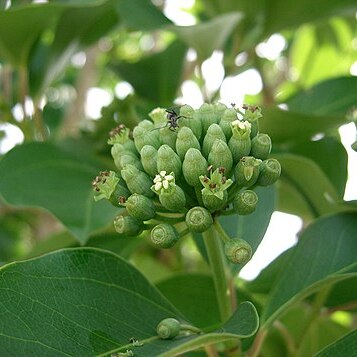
<point x="325" y="254"/>
<point x="41" y="175"/>
<point x="156" y="77"/>
<point x="281" y="14"/>
<point x="345" y="346"/>
<point x="209" y="36"/>
<point x="289" y="126"/>
<point x="141" y="15"/>
<point x="332" y="97"/>
<point x="310" y="182"/>
<point x="321" y="152"/>
<point x="183" y="289"/>
<point x="91" y="302"/>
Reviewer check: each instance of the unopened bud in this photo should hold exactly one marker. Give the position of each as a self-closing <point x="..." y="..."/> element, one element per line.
<point x="245" y="202"/>
<point x="194" y="166"/>
<point x="191" y="119"/>
<point x="214" y="132"/>
<point x="247" y="171"/>
<point x="240" y="143"/>
<point x="261" y="146"/>
<point x="164" y="235"/>
<point x="228" y="117"/>
<point x="238" y="251"/>
<point x="137" y="181"/>
<point x="270" y="171"/>
<point x="198" y="219"/>
<point x="207" y="116"/>
<point x="168" y="160"/>
<point x="149" y="159"/>
<point x="128" y="225"/>
<point x="221" y="156"/>
<point x="186" y="140"/>
<point x="140" y="207"/>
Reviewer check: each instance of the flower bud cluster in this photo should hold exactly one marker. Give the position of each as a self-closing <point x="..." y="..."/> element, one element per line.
<point x="187" y="166"/>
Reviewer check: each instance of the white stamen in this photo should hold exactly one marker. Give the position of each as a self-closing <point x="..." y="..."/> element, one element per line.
<point x="158" y="186"/>
<point x="165" y="184"/>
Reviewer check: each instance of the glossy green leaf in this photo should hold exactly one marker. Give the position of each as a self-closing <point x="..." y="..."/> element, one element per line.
<point x="325" y="254"/>
<point x="41" y="175"/>
<point x="332" y="97"/>
<point x="209" y="36"/>
<point x="311" y="183"/>
<point x="141" y="15"/>
<point x="184" y="289"/>
<point x="91" y="302"/>
<point x="321" y="152"/>
<point x="156" y="77"/>
<point x="281" y="14"/>
<point x="345" y="346"/>
<point x="288" y="126"/>
<point x="343" y="295"/>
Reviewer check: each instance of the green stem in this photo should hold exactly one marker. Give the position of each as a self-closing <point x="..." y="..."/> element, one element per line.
<point x="218" y="268"/>
<point x="222" y="233"/>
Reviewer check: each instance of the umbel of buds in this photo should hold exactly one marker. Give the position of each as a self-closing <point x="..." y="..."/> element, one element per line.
<point x="182" y="168"/>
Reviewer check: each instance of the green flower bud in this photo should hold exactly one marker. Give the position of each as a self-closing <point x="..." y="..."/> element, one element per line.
<point x="168" y="160"/>
<point x="144" y="134"/>
<point x="168" y="137"/>
<point x="240" y="143"/>
<point x="128" y="225"/>
<point x="186" y="140"/>
<point x="261" y="146"/>
<point x="149" y="159"/>
<point x="247" y="171"/>
<point x="120" y="135"/>
<point x="190" y="119"/>
<point x="214" y="193"/>
<point x="214" y="132"/>
<point x="168" y="329"/>
<point x="107" y="186"/>
<point x="194" y="165"/>
<point x="137" y="181"/>
<point x="245" y="202"/>
<point x="270" y="171"/>
<point x="158" y="116"/>
<point x="128" y="158"/>
<point x="221" y="156"/>
<point x="171" y="196"/>
<point x="198" y="219"/>
<point x="252" y="115"/>
<point x="207" y="116"/>
<point x="219" y="109"/>
<point x="164" y="235"/>
<point x="228" y="117"/>
<point x="238" y="251"/>
<point x="140" y="207"/>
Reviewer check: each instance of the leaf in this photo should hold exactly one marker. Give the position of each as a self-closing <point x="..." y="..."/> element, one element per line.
<point x="321" y="152"/>
<point x="281" y="14"/>
<point x="183" y="289"/>
<point x="332" y="97"/>
<point x="311" y="183"/>
<point x="343" y="294"/>
<point x="41" y="175"/>
<point x="156" y="77"/>
<point x="345" y="346"/>
<point x="91" y="302"/>
<point x="288" y="126"/>
<point x="210" y="35"/>
<point x="325" y="254"/>
<point x="141" y="15"/>
<point x="76" y="28"/>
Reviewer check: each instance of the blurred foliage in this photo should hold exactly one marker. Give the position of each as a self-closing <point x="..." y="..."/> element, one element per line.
<point x="52" y="54"/>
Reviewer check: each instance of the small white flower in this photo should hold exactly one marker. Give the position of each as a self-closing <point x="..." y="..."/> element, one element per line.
<point x="158" y="186"/>
<point x="165" y="184"/>
<point x="162" y="173"/>
<point x="157" y="178"/>
<point x="169" y="177"/>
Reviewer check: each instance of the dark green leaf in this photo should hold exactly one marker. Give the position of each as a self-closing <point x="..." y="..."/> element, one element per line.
<point x="345" y="346"/>
<point x="184" y="289"/>
<point x="42" y="175"/>
<point x="311" y="183"/>
<point x="156" y="77"/>
<point x="209" y="36"/>
<point x="281" y="14"/>
<point x="288" y="126"/>
<point x="141" y="15"/>
<point x="343" y="295"/>
<point x="325" y="254"/>
<point x="91" y="302"/>
<point x="321" y="152"/>
<point x="332" y="97"/>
